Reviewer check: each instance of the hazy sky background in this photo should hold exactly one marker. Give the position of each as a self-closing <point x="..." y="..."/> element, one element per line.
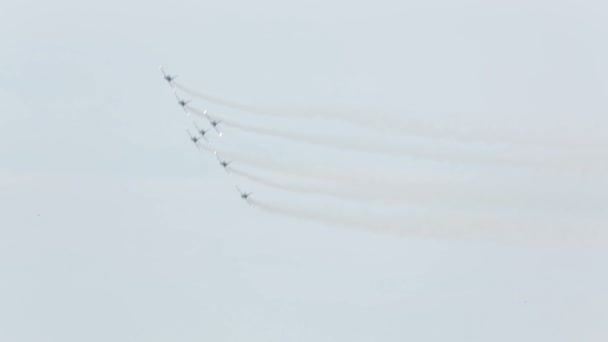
<point x="114" y="227"/>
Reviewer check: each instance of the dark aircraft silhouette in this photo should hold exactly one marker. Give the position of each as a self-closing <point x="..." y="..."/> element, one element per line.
<point x="167" y="77"/>
<point x="244" y="195"/>
<point x="214" y="123"/>
<point x="223" y="163"/>
<point x="193" y="138"/>
<point x="202" y="132"/>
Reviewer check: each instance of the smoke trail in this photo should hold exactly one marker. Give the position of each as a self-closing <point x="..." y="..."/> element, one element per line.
<point x="301" y="214"/>
<point x="367" y="147"/>
<point x="220" y="101"/>
<point x="355" y="117"/>
<point x="434" y="195"/>
<point x="455" y="154"/>
<point x="273" y="184"/>
<point x="452" y="127"/>
<point x="450" y="155"/>
<point x="380" y="149"/>
<point x="273" y="166"/>
<point x="343" y="194"/>
<point x="461" y="218"/>
<point x="451" y="225"/>
<point x="418" y="224"/>
<point x="438" y="190"/>
<point x="325" y="177"/>
<point x="364" y="194"/>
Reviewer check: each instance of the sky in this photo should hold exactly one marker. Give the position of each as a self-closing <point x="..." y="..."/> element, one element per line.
<point x="422" y="171"/>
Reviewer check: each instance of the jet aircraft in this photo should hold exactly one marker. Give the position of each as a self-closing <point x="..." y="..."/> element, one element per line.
<point x="183" y="103"/>
<point x="223" y="163"/>
<point x="193" y="138"/>
<point x="214" y="124"/>
<point x="167" y="77"/>
<point x="202" y="132"/>
<point x="244" y="195"/>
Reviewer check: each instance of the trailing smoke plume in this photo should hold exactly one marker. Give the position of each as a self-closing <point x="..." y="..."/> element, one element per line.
<point x="483" y="204"/>
<point x="452" y="127"/>
<point x="316" y="189"/>
<point x="453" y="225"/>
<point x="405" y="187"/>
<point x="444" y="154"/>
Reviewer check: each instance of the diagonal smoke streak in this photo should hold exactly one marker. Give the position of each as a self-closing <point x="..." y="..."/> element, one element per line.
<point x="452" y="127"/>
<point x="273" y="166"/>
<point x="435" y="195"/>
<point x="251" y="160"/>
<point x="523" y="158"/>
<point x="302" y="214"/>
<point x="420" y="195"/>
<point x="417" y="224"/>
<point x="355" y="117"/>
<point x="277" y="185"/>
<point x="220" y="101"/>
<point x="381" y="149"/>
<point x="314" y="189"/>
<point x="453" y="225"/>
<point x="376" y="185"/>
<point x="422" y="189"/>
<point x="468" y="222"/>
<point x="371" y="148"/>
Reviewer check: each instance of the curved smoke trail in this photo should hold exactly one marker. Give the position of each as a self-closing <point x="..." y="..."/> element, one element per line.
<point x="220" y="101"/>
<point x="447" y="128"/>
<point x="454" y="225"/>
<point x="316" y="189"/>
<point x="454" y="156"/>
<point x="439" y="190"/>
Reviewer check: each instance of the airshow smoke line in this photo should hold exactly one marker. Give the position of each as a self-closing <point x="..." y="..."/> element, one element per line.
<point x="340" y="193"/>
<point x="324" y="178"/>
<point x="453" y="225"/>
<point x="383" y="148"/>
<point x="436" y="191"/>
<point x="416" y="224"/>
<point x="219" y="101"/>
<point x="453" y="222"/>
<point x="354" y="117"/>
<point x="368" y="119"/>
<point x="427" y="195"/>
<point x="308" y="215"/>
<point x="271" y="165"/>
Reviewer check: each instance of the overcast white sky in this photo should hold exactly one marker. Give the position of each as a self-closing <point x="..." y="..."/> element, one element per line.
<point x="114" y="227"/>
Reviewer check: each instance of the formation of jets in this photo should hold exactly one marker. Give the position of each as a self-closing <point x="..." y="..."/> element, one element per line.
<point x="202" y="132"/>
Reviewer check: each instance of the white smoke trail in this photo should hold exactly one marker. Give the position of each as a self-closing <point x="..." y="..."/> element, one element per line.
<point x="273" y="184"/>
<point x="274" y="166"/>
<point x="359" y="192"/>
<point x="302" y="214"/>
<point x="452" y="225"/>
<point x="416" y="224"/>
<point x="220" y="101"/>
<point x="316" y="189"/>
<point x="452" y="127"/>
<point x="388" y="149"/>
<point x="365" y="119"/>
<point x="462" y="218"/>
<point x="528" y="158"/>
<point x="392" y="187"/>
<point x="463" y="197"/>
